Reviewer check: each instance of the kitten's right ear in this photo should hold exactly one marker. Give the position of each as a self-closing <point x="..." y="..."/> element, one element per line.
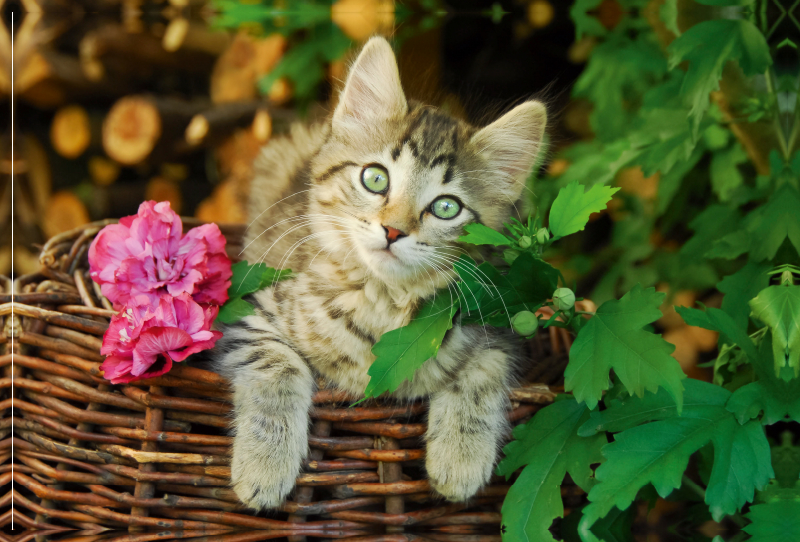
<point x="373" y="88"/>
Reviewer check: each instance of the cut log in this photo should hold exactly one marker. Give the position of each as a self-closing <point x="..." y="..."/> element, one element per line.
<point x="280" y="92"/>
<point x="110" y="51"/>
<point x="175" y="34"/>
<point x="197" y="37"/>
<point x="103" y="171"/>
<point x="37" y="172"/>
<point x="136" y="124"/>
<point x="242" y="65"/>
<point x="70" y="131"/>
<point x="161" y="189"/>
<point x="360" y="19"/>
<point x="262" y="126"/>
<point x="221" y="120"/>
<point x="236" y="155"/>
<point x="225" y="205"/>
<point x="49" y="79"/>
<point x="64" y="212"/>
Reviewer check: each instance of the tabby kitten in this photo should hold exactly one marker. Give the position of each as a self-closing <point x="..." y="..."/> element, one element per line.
<point x="366" y="209"/>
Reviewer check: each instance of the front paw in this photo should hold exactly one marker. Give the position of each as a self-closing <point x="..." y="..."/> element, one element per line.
<point x="459" y="474"/>
<point x="263" y="476"/>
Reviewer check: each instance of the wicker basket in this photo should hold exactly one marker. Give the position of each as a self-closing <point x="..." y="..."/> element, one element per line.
<point x="154" y="455"/>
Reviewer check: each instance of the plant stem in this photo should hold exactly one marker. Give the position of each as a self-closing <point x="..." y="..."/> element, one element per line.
<point x="694" y="486"/>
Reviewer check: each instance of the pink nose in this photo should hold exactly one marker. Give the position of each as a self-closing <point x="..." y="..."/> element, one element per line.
<point x="392" y="234"/>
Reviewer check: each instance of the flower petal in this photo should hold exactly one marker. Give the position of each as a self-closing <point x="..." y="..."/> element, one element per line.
<point x="154" y="342"/>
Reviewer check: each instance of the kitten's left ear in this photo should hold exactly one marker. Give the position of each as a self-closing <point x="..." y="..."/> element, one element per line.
<point x="373" y="86"/>
<point x="510" y="144"/>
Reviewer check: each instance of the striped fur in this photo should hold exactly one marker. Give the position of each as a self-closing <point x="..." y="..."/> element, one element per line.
<point x="311" y="213"/>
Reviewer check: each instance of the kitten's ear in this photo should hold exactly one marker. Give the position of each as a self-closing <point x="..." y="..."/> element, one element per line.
<point x="373" y="86"/>
<point x="510" y="144"/>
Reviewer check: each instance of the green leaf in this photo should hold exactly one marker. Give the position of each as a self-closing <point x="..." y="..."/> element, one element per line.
<point x="714" y="222"/>
<point x="669" y="16"/>
<point x="595" y="162"/>
<point x="777" y="521"/>
<point x="740" y="287"/>
<point x="271" y="275"/>
<point x="246" y="278"/>
<point x="619" y="72"/>
<point x="773" y="222"/>
<point x="400" y="352"/>
<point x="779" y="308"/>
<point x="725" y="176"/>
<point x="719" y="320"/>
<point x="478" y="234"/>
<point x="571" y="209"/>
<point x="484" y="290"/>
<point x="234" y="310"/>
<point x="708" y="46"/>
<point x="303" y="64"/>
<point x="550" y="447"/>
<point x="777" y="398"/>
<point x="658" y="452"/>
<point x="731" y="246"/>
<point x="614" y="338"/>
<point x="725" y="2"/>
<point x="586" y="23"/>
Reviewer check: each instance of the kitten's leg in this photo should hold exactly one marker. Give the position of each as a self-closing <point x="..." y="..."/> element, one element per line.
<point x="273" y="387"/>
<point x="466" y="421"/>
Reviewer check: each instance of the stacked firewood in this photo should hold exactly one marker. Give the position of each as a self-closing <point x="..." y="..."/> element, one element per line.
<point x="128" y="100"/>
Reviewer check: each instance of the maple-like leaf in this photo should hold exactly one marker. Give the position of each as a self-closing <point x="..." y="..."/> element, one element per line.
<point x="571" y="209"/>
<point x="658" y="451"/>
<point x="549" y="447"/>
<point x="779" y="308"/>
<point x="614" y="338"/>
<point x="770" y="224"/>
<point x="708" y="46"/>
<point x="777" y="398"/>
<point x="777" y="521"/>
<point x="400" y="352"/>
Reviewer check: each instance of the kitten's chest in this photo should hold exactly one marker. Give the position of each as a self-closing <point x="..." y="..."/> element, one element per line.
<point x="336" y="328"/>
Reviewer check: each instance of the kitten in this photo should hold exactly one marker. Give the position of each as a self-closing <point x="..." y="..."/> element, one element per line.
<point x="366" y="209"/>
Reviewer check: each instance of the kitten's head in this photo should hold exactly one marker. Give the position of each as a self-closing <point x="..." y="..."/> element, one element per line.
<point x="400" y="180"/>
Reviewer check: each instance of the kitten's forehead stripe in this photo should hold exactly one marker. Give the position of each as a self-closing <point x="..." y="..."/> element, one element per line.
<point x="432" y="138"/>
<point x="333" y="170"/>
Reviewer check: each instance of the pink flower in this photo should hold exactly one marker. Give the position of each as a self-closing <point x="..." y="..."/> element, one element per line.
<point x="145" y="338"/>
<point x="147" y="254"/>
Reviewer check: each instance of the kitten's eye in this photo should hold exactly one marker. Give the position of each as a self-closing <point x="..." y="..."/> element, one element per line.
<point x="375" y="179"/>
<point x="446" y="207"/>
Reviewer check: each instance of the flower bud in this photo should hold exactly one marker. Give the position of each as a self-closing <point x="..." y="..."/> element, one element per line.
<point x="524" y="323"/>
<point x="563" y="299"/>
<point x="542" y="236"/>
<point x="524" y="241"/>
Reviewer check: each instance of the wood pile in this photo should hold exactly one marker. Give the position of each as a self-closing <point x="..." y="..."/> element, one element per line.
<point x="125" y="100"/>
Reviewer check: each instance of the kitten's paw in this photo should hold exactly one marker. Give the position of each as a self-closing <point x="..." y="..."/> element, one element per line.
<point x="263" y="480"/>
<point x="458" y="476"/>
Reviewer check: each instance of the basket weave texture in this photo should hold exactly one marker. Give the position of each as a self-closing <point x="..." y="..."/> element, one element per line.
<point x="153" y="455"/>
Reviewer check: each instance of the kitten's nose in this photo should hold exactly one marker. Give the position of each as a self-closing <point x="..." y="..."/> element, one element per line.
<point x="393" y="234"/>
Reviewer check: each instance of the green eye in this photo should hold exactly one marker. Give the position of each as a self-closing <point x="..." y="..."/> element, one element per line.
<point x="375" y="179"/>
<point x="446" y="208"/>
